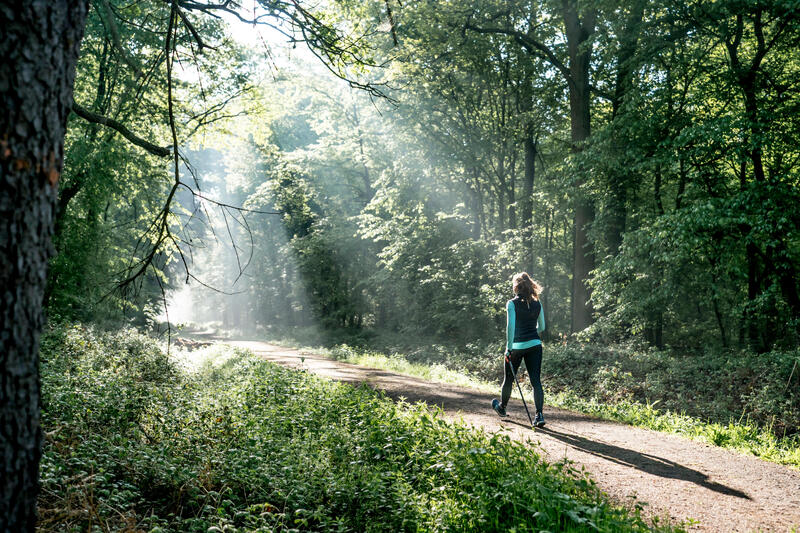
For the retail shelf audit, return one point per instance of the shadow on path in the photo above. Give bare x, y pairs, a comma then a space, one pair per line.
645, 462
650, 464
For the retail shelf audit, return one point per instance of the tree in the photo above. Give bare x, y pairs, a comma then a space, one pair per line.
579, 26
40, 50
774, 27
702, 137
115, 178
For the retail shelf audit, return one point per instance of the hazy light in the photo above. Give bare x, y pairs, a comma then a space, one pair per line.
179, 306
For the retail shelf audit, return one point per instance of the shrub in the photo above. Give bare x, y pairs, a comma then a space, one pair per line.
240, 444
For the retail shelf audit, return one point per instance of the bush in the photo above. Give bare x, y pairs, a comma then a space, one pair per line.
718, 386
243, 445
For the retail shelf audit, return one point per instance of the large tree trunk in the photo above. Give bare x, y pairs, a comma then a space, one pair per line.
578, 33
39, 51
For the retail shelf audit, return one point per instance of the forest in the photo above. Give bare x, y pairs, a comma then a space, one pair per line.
361, 180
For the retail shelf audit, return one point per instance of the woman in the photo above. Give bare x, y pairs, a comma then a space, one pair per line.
524, 322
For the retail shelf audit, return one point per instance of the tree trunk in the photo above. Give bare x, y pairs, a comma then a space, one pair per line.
531, 146
531, 149
583, 264
40, 50
718, 315
618, 182
578, 33
549, 229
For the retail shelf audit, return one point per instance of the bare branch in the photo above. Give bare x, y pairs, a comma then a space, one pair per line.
202, 119
166, 308
323, 40
159, 229
222, 204
188, 23
162, 219
207, 286
233, 242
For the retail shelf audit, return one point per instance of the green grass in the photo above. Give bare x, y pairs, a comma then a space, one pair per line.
740, 436
220, 440
743, 437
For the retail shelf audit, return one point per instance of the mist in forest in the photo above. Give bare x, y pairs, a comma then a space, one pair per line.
232, 247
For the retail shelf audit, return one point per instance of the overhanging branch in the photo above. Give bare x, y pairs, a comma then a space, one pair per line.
529, 43
160, 151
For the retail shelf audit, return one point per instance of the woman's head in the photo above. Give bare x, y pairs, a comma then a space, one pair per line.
525, 287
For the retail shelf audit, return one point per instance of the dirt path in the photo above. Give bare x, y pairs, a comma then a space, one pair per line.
686, 480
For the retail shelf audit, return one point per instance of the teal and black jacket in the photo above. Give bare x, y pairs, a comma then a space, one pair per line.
524, 322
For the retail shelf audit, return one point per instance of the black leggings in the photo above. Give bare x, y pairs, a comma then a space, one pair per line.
533, 362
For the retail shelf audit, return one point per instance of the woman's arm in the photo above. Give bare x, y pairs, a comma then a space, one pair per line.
511, 319
540, 324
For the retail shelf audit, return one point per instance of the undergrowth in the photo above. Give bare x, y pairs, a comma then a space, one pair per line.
223, 441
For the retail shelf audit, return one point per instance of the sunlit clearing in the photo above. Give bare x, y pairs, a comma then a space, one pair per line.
208, 357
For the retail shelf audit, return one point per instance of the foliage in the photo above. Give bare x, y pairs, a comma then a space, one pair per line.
718, 386
111, 191
396, 226
136, 441
411, 215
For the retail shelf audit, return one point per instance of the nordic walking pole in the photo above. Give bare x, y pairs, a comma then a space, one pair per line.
508, 361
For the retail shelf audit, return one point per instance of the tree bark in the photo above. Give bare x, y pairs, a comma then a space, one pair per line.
39, 53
